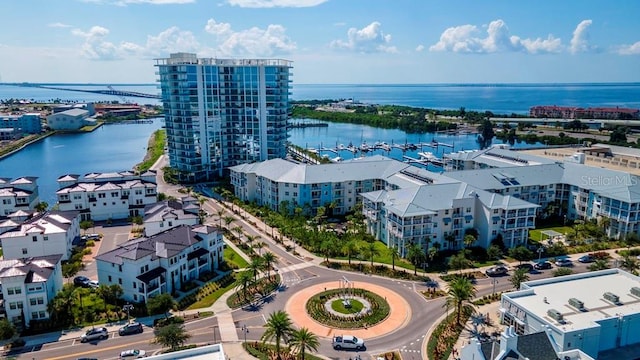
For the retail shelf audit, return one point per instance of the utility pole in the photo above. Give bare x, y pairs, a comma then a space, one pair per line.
127, 307
245, 330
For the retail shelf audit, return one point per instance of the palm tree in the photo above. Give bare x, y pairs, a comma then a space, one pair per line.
393, 251
469, 240
371, 251
238, 230
302, 340
228, 219
259, 245
415, 255
255, 267
350, 248
278, 328
269, 259
244, 281
630, 264
220, 212
599, 264
518, 277
460, 291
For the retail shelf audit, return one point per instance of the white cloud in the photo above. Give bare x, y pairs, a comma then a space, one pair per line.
58, 25
580, 39
467, 39
633, 49
275, 3
250, 42
95, 47
420, 48
169, 41
127, 2
368, 39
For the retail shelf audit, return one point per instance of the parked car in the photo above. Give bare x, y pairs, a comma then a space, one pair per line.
587, 258
526, 266
100, 333
497, 270
347, 342
564, 262
94, 284
132, 328
81, 281
133, 353
544, 265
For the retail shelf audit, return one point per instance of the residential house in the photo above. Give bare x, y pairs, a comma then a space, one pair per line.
18, 194
164, 215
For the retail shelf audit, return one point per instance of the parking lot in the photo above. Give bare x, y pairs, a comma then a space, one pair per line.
112, 236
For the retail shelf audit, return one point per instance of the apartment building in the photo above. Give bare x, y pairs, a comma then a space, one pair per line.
223, 112
42, 234
168, 214
28, 285
18, 194
28, 123
161, 263
493, 157
107, 196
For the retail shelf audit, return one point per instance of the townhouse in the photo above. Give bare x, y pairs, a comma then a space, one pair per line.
163, 262
107, 196
42, 234
18, 194
28, 285
168, 214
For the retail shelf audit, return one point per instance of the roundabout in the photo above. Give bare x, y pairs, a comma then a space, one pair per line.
397, 315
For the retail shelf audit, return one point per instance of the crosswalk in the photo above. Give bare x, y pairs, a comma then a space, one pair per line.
414, 346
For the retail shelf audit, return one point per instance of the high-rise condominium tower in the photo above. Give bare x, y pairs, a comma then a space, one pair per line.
223, 112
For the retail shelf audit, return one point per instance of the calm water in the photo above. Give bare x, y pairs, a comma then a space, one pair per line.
499, 98
109, 148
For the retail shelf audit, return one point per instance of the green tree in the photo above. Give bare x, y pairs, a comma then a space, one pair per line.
350, 248
109, 294
599, 264
245, 279
278, 328
42, 206
255, 267
631, 264
459, 261
268, 258
393, 252
70, 269
459, 295
228, 219
172, 335
469, 240
494, 252
518, 277
303, 340
371, 251
86, 225
160, 304
415, 256
7, 330
521, 253
60, 306
562, 271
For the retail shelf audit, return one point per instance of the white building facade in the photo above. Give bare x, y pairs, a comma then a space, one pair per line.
165, 215
28, 285
42, 234
18, 194
107, 196
163, 262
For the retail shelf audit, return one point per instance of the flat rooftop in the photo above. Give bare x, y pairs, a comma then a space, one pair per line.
588, 288
209, 352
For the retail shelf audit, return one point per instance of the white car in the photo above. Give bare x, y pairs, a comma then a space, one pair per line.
349, 342
93, 284
133, 353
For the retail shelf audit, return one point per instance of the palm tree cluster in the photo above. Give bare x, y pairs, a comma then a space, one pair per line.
248, 282
279, 328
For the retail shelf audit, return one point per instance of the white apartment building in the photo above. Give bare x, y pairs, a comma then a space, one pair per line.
168, 214
42, 234
28, 285
592, 312
107, 196
18, 194
163, 262
494, 157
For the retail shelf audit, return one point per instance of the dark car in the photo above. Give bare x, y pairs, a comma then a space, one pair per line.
564, 262
525, 266
81, 281
497, 270
543, 265
587, 258
132, 328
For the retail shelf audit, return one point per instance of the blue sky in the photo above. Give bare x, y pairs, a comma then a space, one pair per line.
330, 41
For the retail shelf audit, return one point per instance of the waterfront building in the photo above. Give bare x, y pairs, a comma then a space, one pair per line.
494, 157
223, 112
572, 112
28, 285
18, 194
42, 234
161, 263
72, 119
592, 312
168, 214
107, 196
28, 123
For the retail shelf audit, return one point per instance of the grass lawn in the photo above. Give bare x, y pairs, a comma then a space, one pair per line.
211, 298
537, 235
383, 256
232, 257
338, 306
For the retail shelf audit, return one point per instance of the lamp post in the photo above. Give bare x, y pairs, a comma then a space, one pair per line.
494, 281
245, 330
540, 251
127, 307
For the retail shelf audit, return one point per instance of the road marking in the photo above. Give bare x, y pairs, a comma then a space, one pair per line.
264, 318
97, 350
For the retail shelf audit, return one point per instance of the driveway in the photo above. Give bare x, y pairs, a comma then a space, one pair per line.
112, 236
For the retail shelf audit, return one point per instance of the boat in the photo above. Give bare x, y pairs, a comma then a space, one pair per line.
427, 155
364, 147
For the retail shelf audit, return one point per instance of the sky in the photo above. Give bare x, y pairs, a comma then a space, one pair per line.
329, 41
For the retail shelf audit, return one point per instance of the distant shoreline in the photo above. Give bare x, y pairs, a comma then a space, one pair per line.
498, 84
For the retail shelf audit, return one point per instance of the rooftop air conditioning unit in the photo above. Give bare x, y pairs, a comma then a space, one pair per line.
635, 291
612, 297
576, 303
555, 314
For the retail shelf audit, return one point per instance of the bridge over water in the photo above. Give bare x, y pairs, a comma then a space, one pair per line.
109, 91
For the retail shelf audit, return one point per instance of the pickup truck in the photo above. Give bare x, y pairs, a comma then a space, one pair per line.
347, 342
